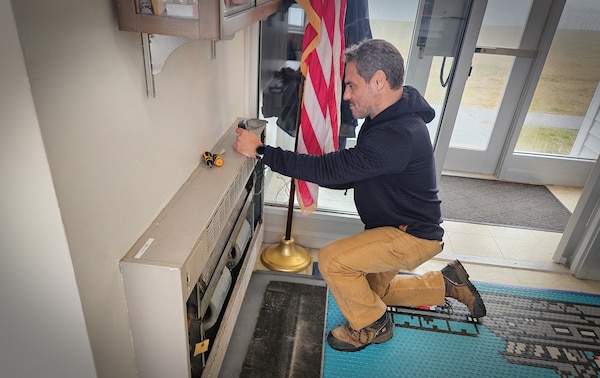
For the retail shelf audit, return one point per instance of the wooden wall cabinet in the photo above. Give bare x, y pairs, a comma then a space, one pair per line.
202, 19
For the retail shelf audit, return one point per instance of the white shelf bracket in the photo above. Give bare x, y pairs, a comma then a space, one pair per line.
157, 49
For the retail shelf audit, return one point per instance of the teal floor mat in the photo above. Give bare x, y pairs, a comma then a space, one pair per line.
527, 333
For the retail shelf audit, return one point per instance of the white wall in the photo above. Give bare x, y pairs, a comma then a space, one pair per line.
115, 155
42, 327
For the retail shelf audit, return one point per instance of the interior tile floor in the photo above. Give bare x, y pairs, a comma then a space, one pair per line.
504, 255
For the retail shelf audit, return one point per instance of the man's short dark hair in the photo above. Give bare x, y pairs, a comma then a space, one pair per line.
372, 55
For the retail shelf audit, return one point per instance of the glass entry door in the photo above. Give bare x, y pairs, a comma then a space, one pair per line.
506, 44
550, 48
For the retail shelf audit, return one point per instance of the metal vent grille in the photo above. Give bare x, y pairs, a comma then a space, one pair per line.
227, 206
221, 224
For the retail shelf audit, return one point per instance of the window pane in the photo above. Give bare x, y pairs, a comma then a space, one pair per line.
556, 122
502, 27
503, 23
481, 101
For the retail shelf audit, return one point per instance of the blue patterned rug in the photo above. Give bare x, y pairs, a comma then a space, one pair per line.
527, 333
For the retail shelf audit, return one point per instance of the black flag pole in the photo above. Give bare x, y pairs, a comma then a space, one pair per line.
287, 256
288, 228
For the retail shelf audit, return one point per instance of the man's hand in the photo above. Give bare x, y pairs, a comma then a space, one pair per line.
246, 143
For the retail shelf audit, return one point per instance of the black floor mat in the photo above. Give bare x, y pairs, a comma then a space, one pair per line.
288, 338
501, 203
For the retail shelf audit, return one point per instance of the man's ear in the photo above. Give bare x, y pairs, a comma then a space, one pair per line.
379, 79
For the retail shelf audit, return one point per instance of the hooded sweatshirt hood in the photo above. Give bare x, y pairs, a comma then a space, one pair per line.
411, 104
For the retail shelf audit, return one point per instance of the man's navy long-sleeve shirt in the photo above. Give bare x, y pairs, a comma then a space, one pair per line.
391, 168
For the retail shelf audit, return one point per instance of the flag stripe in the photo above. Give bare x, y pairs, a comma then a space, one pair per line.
322, 67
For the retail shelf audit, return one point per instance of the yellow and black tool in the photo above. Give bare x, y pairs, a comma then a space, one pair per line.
208, 158
217, 160
213, 159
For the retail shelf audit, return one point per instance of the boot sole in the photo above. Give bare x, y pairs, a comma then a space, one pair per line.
342, 348
382, 340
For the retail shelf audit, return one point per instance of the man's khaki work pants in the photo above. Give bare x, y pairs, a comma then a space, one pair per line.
362, 273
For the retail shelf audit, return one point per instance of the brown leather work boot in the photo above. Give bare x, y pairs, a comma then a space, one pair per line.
460, 288
346, 339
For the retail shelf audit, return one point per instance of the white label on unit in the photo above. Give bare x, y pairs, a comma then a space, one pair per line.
144, 248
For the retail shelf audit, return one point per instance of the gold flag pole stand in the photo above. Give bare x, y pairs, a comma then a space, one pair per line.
287, 256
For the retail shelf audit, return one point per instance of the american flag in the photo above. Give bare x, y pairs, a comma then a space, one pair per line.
323, 68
